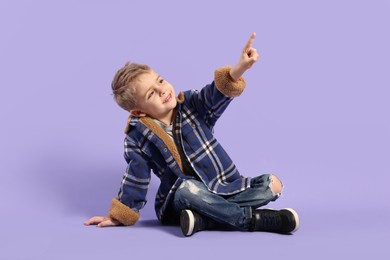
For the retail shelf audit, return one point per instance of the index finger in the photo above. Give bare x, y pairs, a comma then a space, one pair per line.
250, 41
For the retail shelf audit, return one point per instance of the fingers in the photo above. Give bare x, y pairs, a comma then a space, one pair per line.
248, 45
253, 54
107, 223
96, 220
101, 221
250, 57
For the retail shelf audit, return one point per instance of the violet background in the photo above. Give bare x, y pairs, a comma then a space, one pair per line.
315, 112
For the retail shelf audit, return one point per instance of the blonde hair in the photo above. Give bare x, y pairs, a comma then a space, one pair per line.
123, 87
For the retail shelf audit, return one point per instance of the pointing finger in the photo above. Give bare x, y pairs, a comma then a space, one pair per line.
250, 41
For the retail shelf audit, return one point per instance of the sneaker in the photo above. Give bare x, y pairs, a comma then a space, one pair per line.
283, 221
190, 222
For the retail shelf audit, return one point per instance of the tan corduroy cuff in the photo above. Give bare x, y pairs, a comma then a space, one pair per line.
226, 84
120, 212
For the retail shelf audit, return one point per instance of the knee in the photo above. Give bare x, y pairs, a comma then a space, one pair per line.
188, 187
276, 185
186, 194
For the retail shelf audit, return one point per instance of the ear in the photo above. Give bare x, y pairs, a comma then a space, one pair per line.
137, 113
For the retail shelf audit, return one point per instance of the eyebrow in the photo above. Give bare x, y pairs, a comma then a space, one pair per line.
146, 94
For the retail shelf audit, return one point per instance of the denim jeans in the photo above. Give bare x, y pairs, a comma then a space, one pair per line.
233, 211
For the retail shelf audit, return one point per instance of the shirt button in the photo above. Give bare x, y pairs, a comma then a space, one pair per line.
193, 125
165, 150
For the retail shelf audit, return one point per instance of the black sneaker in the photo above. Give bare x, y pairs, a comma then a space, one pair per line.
190, 222
283, 221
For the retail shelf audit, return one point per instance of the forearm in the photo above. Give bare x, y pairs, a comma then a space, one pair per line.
225, 83
134, 186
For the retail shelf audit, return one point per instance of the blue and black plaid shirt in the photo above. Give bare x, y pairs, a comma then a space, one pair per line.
146, 150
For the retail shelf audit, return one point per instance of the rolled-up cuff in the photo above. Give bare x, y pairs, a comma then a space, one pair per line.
120, 212
226, 84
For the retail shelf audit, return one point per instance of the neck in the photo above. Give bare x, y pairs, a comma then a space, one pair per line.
168, 118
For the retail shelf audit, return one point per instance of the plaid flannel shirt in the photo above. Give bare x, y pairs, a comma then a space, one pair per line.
148, 148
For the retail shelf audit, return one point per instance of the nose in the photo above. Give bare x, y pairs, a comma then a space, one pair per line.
162, 92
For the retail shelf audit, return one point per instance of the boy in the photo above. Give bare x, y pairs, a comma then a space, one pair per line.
200, 186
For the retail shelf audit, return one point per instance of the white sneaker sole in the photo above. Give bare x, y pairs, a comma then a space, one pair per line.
191, 222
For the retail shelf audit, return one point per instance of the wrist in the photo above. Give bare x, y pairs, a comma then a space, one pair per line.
226, 84
236, 72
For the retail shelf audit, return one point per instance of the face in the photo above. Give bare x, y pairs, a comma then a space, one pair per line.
155, 97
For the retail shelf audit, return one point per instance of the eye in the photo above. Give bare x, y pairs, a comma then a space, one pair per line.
150, 94
161, 81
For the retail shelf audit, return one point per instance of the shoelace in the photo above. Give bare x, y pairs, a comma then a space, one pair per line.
270, 220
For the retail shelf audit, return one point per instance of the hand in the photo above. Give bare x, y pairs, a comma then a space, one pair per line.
249, 54
101, 221
248, 57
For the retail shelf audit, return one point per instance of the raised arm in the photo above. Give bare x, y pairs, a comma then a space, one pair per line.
212, 100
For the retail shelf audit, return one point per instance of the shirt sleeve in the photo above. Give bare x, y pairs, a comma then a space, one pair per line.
134, 186
212, 100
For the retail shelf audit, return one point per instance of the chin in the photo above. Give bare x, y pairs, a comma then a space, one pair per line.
174, 103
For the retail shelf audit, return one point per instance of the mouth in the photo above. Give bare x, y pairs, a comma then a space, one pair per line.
168, 98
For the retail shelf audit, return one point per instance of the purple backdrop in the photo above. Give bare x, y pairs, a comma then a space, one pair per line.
315, 112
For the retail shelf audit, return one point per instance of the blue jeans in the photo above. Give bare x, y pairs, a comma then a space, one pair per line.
234, 211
